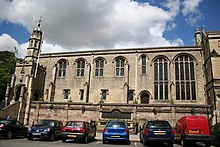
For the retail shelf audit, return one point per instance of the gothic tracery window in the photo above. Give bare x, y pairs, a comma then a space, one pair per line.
99, 67
120, 63
62, 68
143, 64
161, 79
80, 68
185, 78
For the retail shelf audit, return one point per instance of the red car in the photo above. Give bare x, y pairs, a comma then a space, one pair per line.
192, 129
79, 131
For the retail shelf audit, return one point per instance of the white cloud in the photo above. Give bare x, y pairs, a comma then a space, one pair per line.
100, 24
191, 12
7, 43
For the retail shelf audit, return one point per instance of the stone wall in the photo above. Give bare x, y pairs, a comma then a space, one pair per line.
10, 110
93, 112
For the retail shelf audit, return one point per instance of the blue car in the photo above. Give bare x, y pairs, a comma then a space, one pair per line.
116, 130
45, 129
157, 131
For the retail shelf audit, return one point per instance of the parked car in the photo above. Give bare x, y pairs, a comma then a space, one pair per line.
45, 129
12, 128
192, 129
116, 130
78, 130
215, 134
156, 131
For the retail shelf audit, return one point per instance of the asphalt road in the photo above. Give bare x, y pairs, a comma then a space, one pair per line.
23, 142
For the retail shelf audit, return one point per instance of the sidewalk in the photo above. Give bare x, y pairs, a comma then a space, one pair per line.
133, 138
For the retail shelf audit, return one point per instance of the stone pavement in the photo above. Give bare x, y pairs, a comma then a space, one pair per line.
133, 137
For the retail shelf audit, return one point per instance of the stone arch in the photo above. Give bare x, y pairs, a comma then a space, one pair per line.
17, 92
144, 97
185, 54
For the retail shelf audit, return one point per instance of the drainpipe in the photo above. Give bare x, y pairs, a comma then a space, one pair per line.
88, 84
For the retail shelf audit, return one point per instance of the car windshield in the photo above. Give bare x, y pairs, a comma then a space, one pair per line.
4, 121
46, 122
115, 124
75, 124
159, 125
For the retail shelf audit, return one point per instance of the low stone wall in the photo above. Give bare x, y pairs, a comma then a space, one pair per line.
10, 110
139, 113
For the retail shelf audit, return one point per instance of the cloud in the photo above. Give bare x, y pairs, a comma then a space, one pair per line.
191, 12
100, 24
7, 43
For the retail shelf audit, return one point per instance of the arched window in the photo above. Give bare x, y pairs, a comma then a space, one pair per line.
99, 67
80, 68
62, 68
143, 64
160, 79
185, 78
120, 63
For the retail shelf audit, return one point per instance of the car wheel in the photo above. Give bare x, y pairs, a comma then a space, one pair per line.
207, 144
144, 142
52, 137
93, 138
86, 139
141, 141
183, 142
128, 142
8, 135
170, 144
30, 138
63, 139
104, 141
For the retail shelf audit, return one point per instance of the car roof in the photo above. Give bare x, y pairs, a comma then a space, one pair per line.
116, 121
157, 121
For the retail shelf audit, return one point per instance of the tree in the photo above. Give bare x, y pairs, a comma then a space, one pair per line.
7, 68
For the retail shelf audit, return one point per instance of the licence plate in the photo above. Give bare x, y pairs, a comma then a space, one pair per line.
159, 133
193, 131
71, 136
115, 136
35, 133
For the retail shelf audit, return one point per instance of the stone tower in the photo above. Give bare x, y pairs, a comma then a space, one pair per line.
211, 54
35, 41
27, 82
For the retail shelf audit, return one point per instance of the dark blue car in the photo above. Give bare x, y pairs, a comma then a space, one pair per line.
45, 129
116, 130
157, 131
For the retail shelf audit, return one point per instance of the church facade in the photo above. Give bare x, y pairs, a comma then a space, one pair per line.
134, 84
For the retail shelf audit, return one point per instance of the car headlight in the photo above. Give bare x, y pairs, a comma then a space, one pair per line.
47, 130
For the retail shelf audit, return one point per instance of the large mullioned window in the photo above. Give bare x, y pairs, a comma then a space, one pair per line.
99, 67
62, 69
80, 68
120, 64
185, 78
161, 79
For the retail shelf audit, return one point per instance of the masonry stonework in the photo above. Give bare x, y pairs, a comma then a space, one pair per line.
134, 84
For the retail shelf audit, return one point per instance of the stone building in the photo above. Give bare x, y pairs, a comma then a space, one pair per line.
134, 84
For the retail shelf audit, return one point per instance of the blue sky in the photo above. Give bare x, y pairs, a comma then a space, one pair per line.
91, 25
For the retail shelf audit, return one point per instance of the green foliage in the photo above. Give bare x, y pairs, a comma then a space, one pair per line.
7, 68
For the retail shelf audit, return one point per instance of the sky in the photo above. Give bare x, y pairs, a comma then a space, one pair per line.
78, 25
